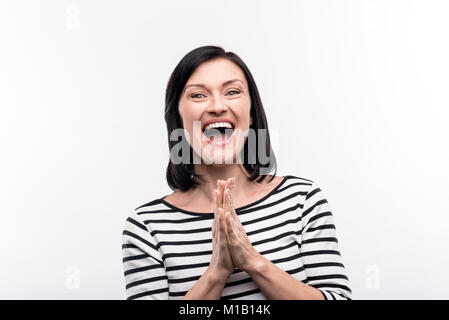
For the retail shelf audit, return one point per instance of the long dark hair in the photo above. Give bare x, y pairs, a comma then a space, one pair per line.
182, 176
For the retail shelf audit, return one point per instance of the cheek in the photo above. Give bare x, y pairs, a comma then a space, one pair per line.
242, 109
186, 114
189, 114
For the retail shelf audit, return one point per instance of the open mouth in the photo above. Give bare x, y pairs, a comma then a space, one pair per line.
219, 133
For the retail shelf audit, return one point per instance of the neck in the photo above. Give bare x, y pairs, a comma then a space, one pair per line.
211, 173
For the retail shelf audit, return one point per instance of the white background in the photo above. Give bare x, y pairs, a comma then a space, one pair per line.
356, 95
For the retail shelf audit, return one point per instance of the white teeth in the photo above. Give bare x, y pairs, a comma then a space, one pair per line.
218, 125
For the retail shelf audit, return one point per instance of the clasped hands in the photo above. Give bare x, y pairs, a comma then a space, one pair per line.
231, 247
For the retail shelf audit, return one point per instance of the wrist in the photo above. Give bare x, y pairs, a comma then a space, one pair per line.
217, 276
257, 265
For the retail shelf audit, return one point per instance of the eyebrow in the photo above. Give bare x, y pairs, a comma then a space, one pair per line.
202, 85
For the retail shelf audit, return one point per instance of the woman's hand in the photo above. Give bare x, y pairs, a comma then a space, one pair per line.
221, 261
243, 254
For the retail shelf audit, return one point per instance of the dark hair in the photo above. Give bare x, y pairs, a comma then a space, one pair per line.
182, 176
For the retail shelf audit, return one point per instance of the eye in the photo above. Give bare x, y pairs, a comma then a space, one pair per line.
195, 95
237, 92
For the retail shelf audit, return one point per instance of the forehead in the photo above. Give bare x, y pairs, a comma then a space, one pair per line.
215, 72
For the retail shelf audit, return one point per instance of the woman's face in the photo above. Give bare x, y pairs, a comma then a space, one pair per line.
217, 91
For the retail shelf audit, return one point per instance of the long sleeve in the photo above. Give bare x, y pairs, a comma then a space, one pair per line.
143, 267
319, 248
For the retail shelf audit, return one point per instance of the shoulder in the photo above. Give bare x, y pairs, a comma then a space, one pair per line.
306, 189
133, 224
137, 216
152, 204
137, 235
297, 184
312, 200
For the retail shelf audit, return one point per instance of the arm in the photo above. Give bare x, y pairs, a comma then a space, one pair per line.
320, 251
276, 284
271, 280
326, 278
143, 267
208, 287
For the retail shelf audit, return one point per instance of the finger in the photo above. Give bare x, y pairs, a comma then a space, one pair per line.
221, 225
230, 232
224, 228
222, 184
231, 183
216, 215
220, 194
213, 227
216, 201
225, 185
217, 225
219, 233
228, 203
225, 201
213, 230
231, 205
228, 229
228, 219
219, 199
233, 227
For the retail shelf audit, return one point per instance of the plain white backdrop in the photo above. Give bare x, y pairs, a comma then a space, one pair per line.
356, 98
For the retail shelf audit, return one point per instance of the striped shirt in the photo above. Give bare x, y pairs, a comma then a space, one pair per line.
166, 249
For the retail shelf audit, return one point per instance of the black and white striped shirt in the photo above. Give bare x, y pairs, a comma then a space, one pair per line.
166, 249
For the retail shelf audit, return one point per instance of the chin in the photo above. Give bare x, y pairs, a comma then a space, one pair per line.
218, 160
221, 155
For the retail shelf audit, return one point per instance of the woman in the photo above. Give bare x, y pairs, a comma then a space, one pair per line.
230, 229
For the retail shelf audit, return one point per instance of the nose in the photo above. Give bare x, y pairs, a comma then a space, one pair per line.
217, 106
